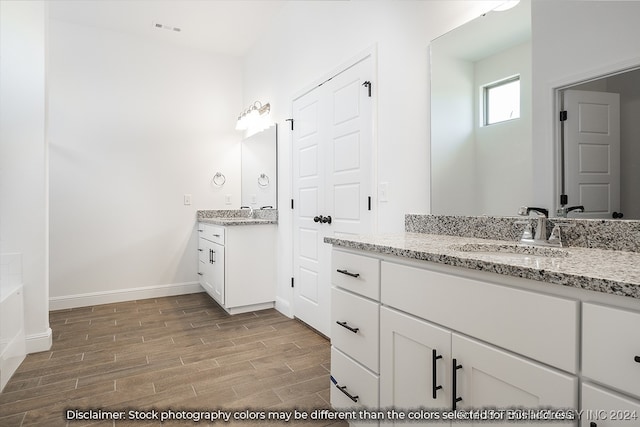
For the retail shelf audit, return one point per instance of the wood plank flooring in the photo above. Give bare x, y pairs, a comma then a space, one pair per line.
180, 353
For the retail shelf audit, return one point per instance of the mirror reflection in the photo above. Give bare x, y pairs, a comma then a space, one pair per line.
259, 169
481, 115
600, 159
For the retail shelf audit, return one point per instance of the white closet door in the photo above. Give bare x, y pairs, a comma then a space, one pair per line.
592, 146
332, 177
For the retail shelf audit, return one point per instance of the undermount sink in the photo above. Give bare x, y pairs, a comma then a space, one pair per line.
514, 250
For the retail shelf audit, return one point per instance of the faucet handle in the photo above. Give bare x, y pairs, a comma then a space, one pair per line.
527, 232
556, 237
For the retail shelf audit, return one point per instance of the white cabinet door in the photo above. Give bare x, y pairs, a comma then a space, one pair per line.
411, 352
604, 408
217, 273
490, 377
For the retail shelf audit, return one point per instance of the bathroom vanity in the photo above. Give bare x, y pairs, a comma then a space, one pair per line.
237, 262
426, 321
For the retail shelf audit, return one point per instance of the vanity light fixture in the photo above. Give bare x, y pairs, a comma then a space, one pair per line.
506, 5
254, 118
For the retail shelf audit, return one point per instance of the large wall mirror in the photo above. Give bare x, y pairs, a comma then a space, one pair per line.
481, 139
259, 169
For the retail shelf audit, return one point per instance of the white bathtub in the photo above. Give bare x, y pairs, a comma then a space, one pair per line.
12, 337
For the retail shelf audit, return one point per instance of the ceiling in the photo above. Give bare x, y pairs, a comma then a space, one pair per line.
228, 27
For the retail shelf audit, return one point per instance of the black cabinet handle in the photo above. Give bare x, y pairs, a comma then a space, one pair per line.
216, 235
317, 218
200, 274
435, 356
454, 387
213, 256
326, 219
349, 395
348, 273
200, 250
210, 256
200, 231
344, 325
637, 359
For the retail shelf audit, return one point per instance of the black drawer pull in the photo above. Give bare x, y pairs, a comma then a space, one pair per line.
435, 356
344, 325
349, 395
348, 273
200, 231
454, 385
200, 274
216, 235
200, 250
637, 359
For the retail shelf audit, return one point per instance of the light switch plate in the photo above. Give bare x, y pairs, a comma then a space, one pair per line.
187, 199
383, 192
227, 199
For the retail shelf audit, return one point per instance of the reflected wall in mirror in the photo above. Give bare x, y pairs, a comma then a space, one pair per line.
479, 168
599, 146
259, 169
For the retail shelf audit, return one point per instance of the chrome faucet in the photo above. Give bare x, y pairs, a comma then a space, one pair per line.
563, 211
250, 210
540, 238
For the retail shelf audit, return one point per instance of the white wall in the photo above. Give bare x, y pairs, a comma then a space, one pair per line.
135, 125
308, 40
573, 41
23, 158
504, 174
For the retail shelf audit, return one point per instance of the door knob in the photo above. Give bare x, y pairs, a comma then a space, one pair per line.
326, 219
317, 218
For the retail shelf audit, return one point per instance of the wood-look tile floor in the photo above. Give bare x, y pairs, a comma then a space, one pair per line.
180, 353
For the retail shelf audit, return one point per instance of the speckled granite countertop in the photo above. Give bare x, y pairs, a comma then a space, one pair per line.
238, 217
608, 271
237, 221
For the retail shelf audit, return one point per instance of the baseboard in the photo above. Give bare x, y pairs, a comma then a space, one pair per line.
107, 297
36, 343
284, 307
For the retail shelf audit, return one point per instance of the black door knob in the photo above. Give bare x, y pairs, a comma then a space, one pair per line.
317, 218
617, 215
326, 219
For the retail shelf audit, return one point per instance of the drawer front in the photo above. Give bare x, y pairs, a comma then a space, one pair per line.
361, 384
607, 409
611, 347
212, 232
355, 327
539, 326
356, 273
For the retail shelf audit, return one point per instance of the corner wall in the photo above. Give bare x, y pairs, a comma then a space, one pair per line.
23, 159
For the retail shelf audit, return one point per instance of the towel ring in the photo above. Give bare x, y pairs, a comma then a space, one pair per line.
218, 179
263, 180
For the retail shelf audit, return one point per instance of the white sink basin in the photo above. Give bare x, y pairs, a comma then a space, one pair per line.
512, 250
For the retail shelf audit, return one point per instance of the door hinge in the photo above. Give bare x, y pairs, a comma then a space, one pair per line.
563, 115
367, 84
292, 282
290, 120
291, 203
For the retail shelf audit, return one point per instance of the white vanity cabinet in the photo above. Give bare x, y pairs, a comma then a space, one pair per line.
355, 311
236, 265
428, 358
611, 358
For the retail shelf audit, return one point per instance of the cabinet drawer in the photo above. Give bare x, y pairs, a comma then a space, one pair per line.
539, 326
356, 380
357, 273
611, 347
607, 409
211, 232
362, 316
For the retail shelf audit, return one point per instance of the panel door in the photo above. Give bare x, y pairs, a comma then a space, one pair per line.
407, 362
490, 377
606, 408
217, 273
308, 176
332, 177
592, 152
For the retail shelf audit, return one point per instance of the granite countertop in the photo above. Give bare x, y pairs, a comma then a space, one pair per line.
237, 221
608, 271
